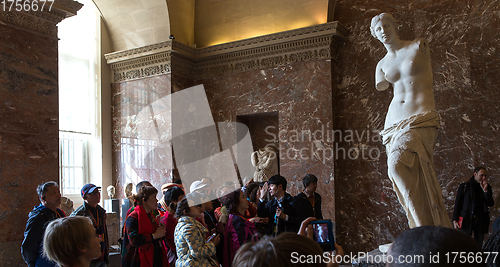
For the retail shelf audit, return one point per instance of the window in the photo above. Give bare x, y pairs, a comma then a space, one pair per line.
80, 148
73, 161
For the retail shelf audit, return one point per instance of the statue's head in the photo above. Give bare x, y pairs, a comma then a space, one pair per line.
378, 18
111, 191
128, 190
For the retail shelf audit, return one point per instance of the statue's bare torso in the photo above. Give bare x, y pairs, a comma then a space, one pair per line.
409, 70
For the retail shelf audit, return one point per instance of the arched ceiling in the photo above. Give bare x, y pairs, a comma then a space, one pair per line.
135, 23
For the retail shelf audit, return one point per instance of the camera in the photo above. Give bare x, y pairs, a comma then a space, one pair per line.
323, 234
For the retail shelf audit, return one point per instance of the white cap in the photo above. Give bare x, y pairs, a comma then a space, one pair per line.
197, 185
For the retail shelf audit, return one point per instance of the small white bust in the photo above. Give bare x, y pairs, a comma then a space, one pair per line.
66, 205
111, 191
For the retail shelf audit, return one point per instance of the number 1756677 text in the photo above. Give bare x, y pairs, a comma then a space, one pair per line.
26, 5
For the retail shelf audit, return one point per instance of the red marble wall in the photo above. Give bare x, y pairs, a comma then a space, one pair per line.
301, 94
28, 130
180, 82
142, 132
465, 59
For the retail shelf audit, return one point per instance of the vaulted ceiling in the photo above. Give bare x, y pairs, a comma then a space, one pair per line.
201, 23
135, 23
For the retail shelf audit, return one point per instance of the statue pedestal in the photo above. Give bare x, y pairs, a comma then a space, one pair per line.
384, 248
113, 226
112, 206
125, 206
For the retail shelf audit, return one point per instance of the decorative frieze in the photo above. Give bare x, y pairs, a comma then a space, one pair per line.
299, 45
146, 66
135, 53
33, 18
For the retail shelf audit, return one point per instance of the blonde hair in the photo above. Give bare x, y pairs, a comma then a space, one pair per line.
65, 238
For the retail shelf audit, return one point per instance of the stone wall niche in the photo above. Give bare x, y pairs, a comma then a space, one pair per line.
263, 128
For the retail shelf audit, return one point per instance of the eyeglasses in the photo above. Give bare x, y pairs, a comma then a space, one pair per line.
95, 192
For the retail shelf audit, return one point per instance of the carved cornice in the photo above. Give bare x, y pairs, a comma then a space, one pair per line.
333, 29
299, 45
138, 52
41, 21
68, 6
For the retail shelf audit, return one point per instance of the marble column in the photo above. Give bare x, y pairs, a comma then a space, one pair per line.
29, 127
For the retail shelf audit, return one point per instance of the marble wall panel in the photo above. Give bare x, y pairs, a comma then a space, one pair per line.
180, 82
26, 158
301, 94
28, 130
462, 37
28, 75
142, 132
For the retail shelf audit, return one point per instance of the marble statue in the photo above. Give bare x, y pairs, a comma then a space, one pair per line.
128, 191
265, 162
127, 202
411, 125
66, 205
111, 191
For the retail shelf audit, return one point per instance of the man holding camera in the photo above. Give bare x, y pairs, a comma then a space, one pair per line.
282, 211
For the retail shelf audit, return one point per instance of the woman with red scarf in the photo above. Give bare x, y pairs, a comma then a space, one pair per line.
142, 232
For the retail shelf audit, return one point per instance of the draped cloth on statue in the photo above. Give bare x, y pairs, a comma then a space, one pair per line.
266, 164
410, 159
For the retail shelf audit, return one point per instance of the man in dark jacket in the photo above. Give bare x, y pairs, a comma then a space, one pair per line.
471, 213
91, 209
39, 218
281, 209
309, 200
